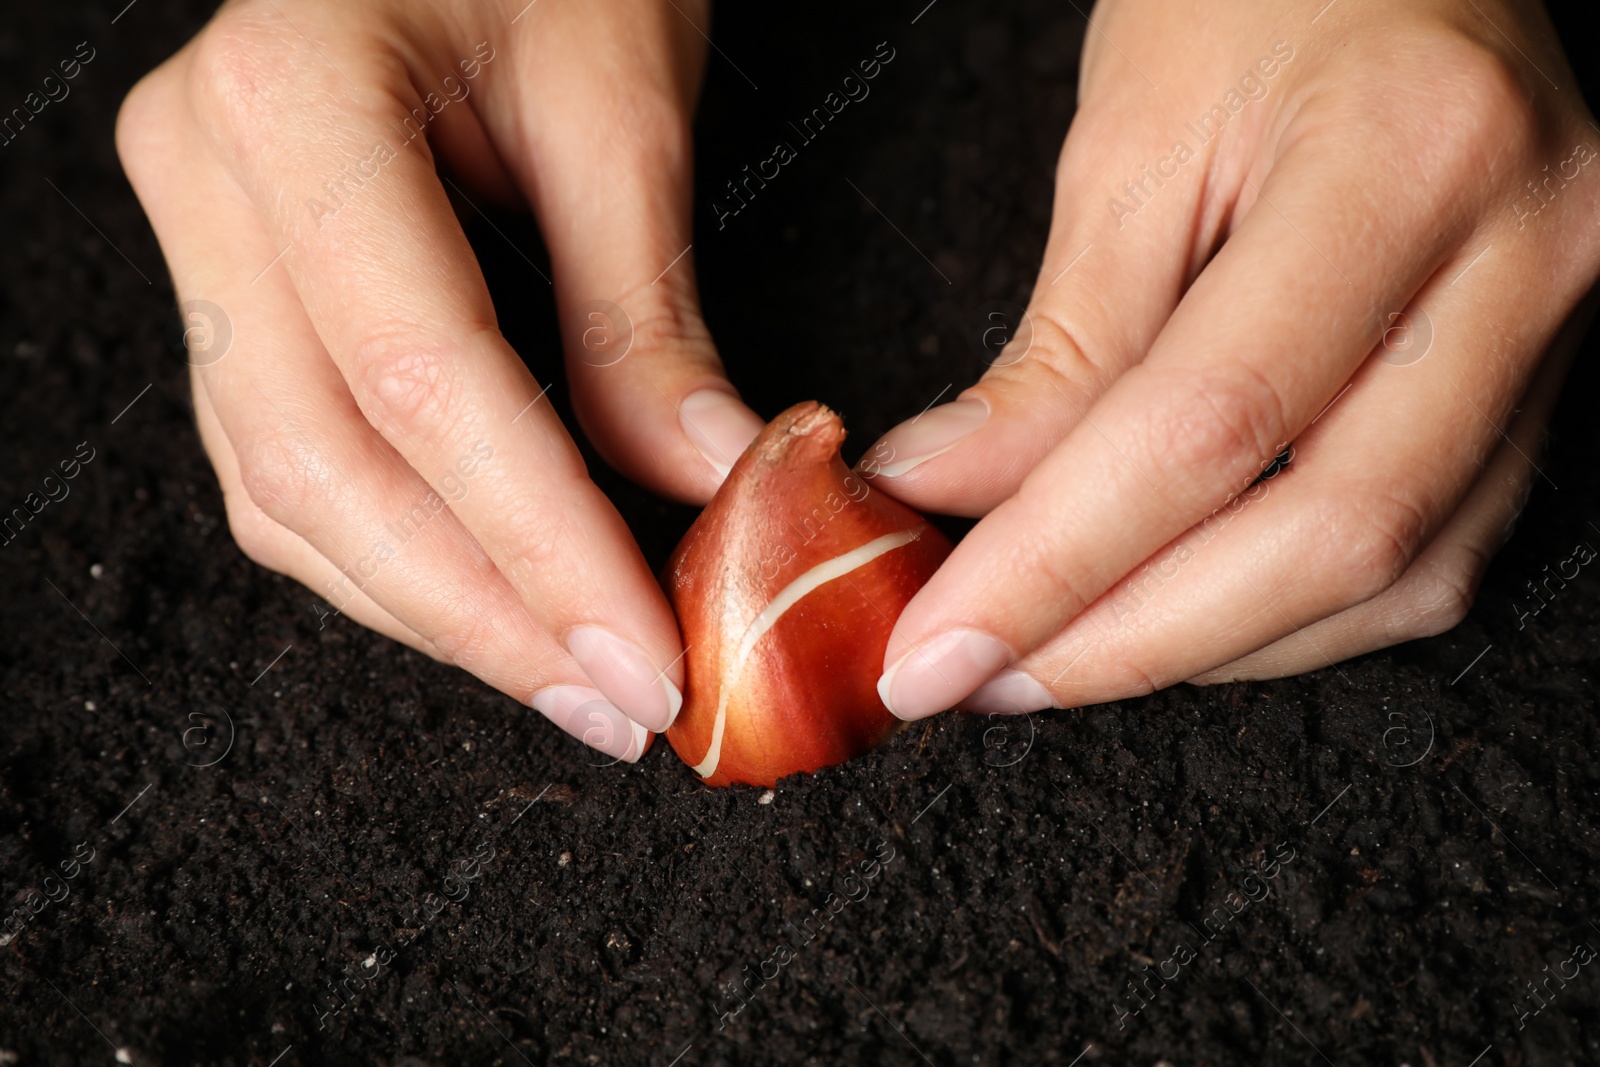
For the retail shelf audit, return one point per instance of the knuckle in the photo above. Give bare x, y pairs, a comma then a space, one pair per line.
1486, 94
545, 541
1214, 422
1479, 109
236, 74
405, 383
1469, 125
1442, 596
1112, 670
465, 640
285, 481
1130, 679
1050, 573
1057, 347
667, 324
1369, 539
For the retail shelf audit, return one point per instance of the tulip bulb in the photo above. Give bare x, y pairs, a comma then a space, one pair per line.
786, 588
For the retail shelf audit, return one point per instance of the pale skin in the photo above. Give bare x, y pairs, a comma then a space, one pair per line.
1372, 168
366, 365
1383, 167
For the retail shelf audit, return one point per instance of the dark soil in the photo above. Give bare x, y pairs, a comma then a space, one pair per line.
1422, 835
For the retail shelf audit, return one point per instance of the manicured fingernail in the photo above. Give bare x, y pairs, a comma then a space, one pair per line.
933, 433
591, 718
939, 672
719, 425
629, 678
1009, 692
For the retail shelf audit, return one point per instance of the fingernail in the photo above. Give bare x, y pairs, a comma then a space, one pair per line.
1010, 692
628, 678
591, 718
933, 433
939, 672
719, 425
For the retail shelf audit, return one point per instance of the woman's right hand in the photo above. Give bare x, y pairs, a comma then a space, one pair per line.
375, 436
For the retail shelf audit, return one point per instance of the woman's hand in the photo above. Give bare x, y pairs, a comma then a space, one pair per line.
1355, 227
375, 435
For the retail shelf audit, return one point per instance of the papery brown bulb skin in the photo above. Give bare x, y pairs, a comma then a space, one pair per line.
786, 588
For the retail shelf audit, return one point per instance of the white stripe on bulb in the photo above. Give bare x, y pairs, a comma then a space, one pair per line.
788, 597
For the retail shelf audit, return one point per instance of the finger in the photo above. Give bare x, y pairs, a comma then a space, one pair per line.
1434, 593
581, 711
314, 467
611, 183
395, 296
1073, 341
309, 465
278, 548
1114, 269
1238, 371
1382, 474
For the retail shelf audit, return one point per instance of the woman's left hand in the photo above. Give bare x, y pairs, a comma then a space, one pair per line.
1358, 232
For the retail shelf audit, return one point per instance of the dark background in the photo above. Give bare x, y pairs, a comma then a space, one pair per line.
1441, 820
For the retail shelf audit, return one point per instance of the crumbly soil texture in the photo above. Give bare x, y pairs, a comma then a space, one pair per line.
235, 832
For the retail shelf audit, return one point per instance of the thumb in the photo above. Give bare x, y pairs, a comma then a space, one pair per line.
1120, 252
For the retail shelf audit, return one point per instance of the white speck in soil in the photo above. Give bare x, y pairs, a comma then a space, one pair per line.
766, 798
96, 570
